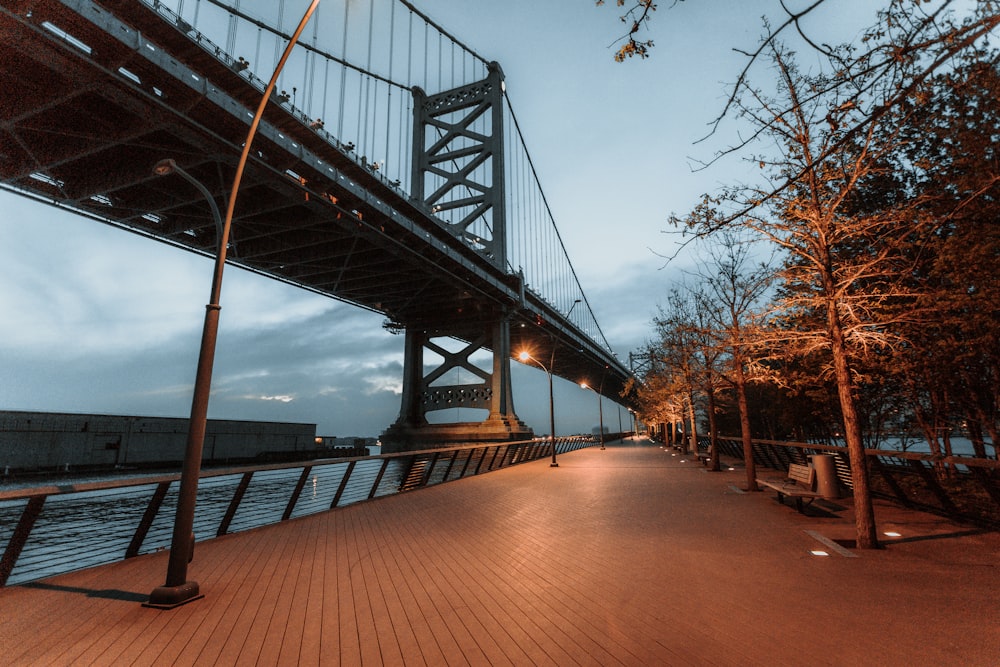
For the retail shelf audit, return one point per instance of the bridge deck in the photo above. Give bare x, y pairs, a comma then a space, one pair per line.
624, 556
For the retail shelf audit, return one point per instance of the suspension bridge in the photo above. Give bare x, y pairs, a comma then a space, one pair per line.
388, 172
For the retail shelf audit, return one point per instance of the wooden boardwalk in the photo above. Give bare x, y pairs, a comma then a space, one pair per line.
627, 556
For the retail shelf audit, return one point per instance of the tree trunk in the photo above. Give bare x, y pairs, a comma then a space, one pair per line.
693, 434
864, 511
713, 433
975, 429
741, 401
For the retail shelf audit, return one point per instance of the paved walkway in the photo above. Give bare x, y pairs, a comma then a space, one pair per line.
628, 556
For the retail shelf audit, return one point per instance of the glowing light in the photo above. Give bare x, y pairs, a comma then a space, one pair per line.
819, 553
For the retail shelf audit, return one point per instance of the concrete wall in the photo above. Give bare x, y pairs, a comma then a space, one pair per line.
53, 441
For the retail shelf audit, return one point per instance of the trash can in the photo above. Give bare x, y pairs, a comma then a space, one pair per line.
826, 475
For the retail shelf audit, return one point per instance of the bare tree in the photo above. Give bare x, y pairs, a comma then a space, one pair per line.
680, 366
734, 286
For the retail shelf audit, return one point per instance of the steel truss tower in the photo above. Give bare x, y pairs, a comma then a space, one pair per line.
458, 173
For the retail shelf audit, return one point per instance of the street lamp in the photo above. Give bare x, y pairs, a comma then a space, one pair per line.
178, 590
570, 311
167, 167
525, 356
600, 409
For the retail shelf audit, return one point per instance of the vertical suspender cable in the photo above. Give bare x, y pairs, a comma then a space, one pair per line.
343, 76
307, 91
311, 66
256, 53
404, 173
277, 42
546, 250
409, 53
326, 86
231, 31
551, 256
368, 82
388, 101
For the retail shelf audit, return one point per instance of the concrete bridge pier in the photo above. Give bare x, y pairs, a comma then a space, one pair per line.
421, 395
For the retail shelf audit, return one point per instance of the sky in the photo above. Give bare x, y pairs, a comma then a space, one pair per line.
94, 319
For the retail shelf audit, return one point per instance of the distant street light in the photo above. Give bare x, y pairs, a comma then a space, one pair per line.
178, 590
568, 312
525, 356
600, 409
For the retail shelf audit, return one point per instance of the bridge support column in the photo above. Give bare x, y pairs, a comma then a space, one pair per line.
494, 392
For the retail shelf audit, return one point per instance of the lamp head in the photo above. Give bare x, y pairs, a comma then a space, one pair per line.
164, 167
524, 356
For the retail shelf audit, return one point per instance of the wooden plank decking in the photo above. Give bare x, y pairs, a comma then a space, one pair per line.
628, 556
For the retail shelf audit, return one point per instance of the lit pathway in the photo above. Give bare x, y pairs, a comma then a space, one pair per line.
625, 556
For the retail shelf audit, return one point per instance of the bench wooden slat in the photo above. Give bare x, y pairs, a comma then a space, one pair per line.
798, 484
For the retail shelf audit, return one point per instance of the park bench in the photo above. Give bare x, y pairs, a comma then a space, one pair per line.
799, 484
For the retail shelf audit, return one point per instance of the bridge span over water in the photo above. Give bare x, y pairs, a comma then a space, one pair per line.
400, 185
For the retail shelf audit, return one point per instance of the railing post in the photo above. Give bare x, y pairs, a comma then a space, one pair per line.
891, 481
928, 476
296, 493
479, 464
451, 462
152, 508
378, 478
20, 536
430, 469
234, 503
493, 460
343, 484
468, 459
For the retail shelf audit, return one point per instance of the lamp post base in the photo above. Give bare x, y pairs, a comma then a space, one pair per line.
168, 597
553, 465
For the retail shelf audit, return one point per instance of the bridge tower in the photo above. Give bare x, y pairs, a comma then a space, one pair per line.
458, 173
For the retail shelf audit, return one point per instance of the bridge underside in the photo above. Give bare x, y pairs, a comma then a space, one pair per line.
89, 137
87, 107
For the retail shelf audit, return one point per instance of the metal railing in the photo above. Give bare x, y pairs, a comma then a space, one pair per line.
50, 530
963, 488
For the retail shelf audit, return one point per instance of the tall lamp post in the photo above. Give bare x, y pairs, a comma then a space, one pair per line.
178, 590
525, 356
600, 409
